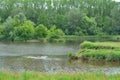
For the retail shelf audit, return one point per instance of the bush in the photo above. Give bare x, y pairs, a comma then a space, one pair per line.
55, 33
41, 31
70, 54
25, 31
17, 38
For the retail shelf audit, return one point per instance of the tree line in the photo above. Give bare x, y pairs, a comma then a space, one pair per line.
28, 19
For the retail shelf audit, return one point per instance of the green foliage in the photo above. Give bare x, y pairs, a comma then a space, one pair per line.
1, 32
92, 45
25, 31
1, 29
70, 54
55, 33
21, 17
8, 26
100, 51
72, 17
80, 24
88, 45
41, 31
116, 18
100, 55
58, 76
90, 25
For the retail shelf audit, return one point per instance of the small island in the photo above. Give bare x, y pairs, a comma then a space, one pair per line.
99, 51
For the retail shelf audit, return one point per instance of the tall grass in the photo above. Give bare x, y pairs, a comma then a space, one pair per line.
100, 51
100, 55
99, 45
58, 76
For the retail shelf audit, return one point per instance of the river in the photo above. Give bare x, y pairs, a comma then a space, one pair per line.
48, 57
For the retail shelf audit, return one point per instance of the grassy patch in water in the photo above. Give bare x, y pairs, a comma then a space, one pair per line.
99, 45
100, 55
58, 76
100, 51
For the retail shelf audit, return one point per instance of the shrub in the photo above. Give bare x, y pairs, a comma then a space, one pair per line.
25, 31
41, 31
70, 54
55, 33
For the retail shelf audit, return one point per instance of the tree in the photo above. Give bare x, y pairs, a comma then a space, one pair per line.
21, 17
41, 31
43, 18
55, 33
90, 25
68, 15
116, 19
25, 31
61, 21
80, 24
74, 19
8, 27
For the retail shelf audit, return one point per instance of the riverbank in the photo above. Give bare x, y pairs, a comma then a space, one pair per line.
57, 76
99, 51
41, 40
72, 38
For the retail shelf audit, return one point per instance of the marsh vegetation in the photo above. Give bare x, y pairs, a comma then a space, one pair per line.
100, 51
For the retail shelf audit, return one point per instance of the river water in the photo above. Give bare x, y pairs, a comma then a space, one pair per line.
48, 57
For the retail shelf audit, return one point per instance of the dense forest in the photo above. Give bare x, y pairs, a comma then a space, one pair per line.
34, 19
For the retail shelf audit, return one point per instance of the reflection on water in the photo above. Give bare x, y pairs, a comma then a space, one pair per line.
51, 58
18, 49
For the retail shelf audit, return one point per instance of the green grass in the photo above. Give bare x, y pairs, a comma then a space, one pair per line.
58, 76
100, 45
100, 51
100, 55
111, 44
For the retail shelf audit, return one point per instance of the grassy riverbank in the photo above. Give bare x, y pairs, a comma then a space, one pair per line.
58, 76
100, 51
92, 38
72, 38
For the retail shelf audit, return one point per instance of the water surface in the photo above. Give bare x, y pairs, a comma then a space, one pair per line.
48, 57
